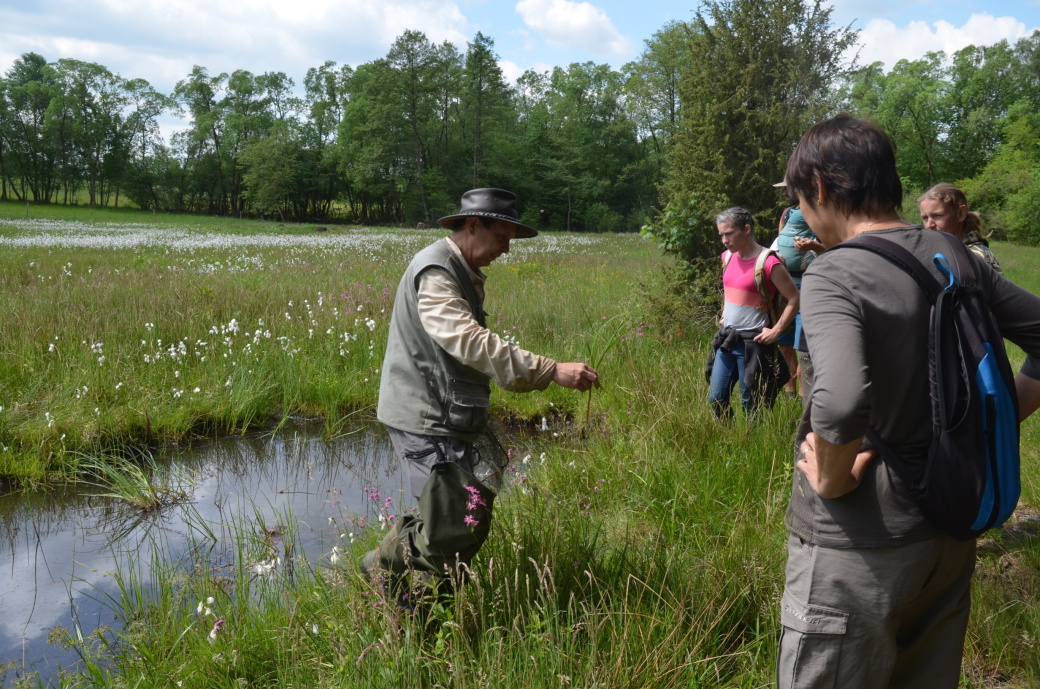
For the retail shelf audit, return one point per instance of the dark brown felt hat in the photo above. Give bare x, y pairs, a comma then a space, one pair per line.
497, 204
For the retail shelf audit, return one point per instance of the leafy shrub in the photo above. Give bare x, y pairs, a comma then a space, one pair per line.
683, 299
686, 232
1021, 213
600, 218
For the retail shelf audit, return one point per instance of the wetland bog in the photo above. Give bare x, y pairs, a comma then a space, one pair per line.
639, 542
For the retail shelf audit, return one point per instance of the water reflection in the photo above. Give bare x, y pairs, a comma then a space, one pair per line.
63, 546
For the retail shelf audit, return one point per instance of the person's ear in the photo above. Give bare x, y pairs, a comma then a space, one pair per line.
962, 212
821, 192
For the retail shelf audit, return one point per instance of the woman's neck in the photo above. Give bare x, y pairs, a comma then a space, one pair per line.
862, 224
750, 250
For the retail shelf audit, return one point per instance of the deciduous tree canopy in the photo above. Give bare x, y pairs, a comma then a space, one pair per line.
705, 118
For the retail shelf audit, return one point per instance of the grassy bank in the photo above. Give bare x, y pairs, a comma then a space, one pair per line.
640, 545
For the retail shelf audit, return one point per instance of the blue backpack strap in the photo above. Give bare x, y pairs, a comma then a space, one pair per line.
963, 272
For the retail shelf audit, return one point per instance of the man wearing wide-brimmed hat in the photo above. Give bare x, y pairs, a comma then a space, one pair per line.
434, 392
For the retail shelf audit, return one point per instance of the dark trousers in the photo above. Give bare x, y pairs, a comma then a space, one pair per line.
454, 515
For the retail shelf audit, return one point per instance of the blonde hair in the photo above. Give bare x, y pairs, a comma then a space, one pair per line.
952, 197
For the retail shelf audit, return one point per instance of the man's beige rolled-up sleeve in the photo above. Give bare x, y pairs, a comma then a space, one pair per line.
445, 315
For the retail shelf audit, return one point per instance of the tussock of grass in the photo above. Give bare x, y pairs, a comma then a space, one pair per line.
143, 484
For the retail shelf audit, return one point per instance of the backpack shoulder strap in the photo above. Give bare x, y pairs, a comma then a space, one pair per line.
760, 272
962, 267
899, 256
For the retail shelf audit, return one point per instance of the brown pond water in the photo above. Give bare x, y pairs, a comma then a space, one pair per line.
59, 550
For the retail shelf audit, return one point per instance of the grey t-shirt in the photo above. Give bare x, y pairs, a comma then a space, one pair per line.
866, 322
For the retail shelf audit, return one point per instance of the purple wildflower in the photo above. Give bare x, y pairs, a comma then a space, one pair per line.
475, 500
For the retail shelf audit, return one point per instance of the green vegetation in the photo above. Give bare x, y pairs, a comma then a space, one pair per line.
146, 485
137, 334
393, 141
968, 118
639, 546
765, 73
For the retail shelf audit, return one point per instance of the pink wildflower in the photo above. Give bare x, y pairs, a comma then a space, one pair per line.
468, 520
217, 626
475, 500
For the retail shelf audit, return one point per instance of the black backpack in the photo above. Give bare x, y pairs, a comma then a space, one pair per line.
969, 482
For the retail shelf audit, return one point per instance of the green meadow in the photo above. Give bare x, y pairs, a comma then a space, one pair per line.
640, 543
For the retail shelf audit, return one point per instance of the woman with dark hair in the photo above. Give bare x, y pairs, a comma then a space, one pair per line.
944, 208
875, 595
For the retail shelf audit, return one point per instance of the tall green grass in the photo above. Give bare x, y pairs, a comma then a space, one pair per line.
639, 545
141, 344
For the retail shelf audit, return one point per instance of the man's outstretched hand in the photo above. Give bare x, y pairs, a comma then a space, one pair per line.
579, 377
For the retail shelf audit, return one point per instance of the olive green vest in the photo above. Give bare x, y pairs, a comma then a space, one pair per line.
423, 389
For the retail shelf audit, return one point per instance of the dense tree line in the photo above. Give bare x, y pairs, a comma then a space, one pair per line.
705, 118
396, 140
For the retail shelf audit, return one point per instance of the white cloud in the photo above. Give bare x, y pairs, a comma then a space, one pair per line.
883, 41
512, 71
564, 23
160, 40
251, 22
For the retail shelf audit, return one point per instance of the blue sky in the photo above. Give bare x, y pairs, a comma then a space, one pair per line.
160, 40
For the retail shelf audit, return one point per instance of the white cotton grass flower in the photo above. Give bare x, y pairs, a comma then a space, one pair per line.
266, 567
